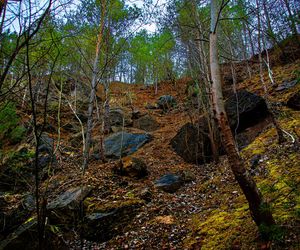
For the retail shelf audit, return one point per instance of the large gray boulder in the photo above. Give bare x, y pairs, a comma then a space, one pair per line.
244, 110
192, 143
122, 144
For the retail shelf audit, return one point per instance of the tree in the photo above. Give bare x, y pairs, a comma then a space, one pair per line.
258, 207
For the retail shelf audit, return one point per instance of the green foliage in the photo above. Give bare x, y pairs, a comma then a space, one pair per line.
9, 127
151, 56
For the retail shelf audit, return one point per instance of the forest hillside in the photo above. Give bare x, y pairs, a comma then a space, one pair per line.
113, 136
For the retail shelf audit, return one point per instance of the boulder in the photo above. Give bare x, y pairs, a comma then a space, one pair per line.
108, 220
147, 123
117, 117
166, 102
245, 109
192, 143
123, 144
169, 183
65, 208
294, 101
132, 167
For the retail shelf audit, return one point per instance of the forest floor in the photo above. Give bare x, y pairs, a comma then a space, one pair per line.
210, 212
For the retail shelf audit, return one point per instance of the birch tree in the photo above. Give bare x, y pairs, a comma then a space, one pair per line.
94, 84
258, 207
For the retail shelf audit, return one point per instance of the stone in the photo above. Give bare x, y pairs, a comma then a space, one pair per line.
245, 109
187, 176
123, 144
147, 123
132, 167
64, 209
254, 161
192, 143
119, 118
46, 144
169, 183
116, 129
166, 102
136, 114
151, 106
146, 194
110, 219
294, 101
287, 85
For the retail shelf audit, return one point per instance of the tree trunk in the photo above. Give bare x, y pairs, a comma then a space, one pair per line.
246, 182
94, 84
279, 131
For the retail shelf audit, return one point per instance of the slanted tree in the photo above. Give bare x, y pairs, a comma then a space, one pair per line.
258, 207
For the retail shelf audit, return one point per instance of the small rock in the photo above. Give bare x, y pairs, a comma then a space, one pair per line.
132, 167
136, 114
118, 117
255, 160
147, 123
46, 144
286, 85
169, 183
187, 176
166, 102
150, 106
146, 195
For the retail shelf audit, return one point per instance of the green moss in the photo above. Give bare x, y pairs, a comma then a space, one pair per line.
222, 228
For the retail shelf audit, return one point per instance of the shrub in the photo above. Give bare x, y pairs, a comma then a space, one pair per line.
9, 127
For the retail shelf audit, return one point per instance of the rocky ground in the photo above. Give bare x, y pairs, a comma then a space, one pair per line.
154, 199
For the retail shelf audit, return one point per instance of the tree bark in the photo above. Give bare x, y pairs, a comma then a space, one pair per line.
94, 84
246, 182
